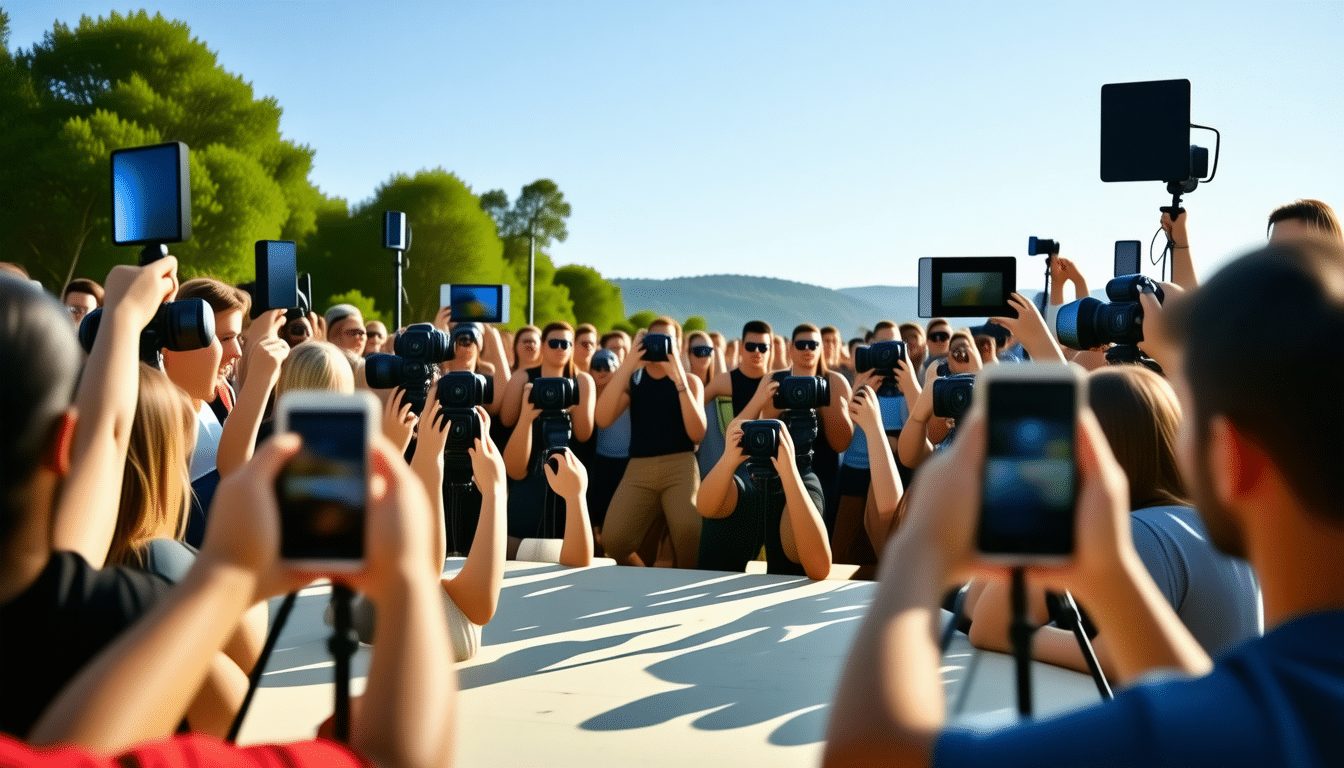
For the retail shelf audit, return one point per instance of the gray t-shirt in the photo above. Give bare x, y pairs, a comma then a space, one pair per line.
1216, 596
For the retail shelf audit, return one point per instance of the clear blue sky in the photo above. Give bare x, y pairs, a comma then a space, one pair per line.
832, 143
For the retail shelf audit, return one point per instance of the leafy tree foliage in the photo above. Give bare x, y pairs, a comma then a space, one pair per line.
694, 323
595, 300
366, 307
124, 81
643, 318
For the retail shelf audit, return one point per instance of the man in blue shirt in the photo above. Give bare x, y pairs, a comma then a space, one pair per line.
1263, 456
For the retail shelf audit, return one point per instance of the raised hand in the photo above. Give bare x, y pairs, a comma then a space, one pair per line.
398, 421
1030, 329
570, 480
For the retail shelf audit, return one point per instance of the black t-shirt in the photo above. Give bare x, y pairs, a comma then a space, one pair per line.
744, 388
656, 425
48, 633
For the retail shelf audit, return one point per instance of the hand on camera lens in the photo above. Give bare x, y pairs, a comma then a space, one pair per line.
432, 431
571, 479
530, 411
865, 410
733, 450
398, 421
784, 457
243, 528
487, 465
137, 292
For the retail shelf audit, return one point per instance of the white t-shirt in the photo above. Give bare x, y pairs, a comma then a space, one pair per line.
208, 430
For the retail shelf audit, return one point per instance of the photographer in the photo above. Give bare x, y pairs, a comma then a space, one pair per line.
469, 340
924, 432
939, 336
526, 450
916, 348
612, 449
81, 296
763, 505
1266, 486
743, 383
136, 691
667, 419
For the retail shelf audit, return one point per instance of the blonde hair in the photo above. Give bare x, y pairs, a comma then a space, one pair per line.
156, 484
316, 365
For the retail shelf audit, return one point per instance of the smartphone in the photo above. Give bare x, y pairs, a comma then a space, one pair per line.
323, 491
1030, 483
1127, 254
476, 303
277, 276
151, 195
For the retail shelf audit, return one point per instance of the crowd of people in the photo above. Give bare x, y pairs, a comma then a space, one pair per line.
139, 508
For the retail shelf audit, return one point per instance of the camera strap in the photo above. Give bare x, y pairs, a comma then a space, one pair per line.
259, 669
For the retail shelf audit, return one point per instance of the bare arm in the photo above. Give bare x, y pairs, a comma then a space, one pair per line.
1182, 265
802, 533
475, 589
720, 385
512, 402
570, 482
615, 398
239, 436
427, 464
839, 429
717, 497
583, 413
86, 513
886, 481
518, 451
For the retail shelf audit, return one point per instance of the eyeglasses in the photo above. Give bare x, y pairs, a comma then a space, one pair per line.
559, 343
938, 337
702, 351
77, 312
355, 333
806, 345
465, 341
756, 346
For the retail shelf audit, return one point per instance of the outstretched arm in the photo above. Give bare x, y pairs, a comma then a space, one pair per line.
239, 435
802, 533
475, 589
570, 482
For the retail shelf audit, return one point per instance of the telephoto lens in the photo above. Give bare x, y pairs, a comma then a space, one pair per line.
554, 393
657, 347
880, 357
952, 395
802, 392
760, 438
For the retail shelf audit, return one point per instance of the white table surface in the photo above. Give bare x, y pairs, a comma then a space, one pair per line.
645, 666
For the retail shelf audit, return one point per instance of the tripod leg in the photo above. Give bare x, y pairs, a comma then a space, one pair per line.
1020, 632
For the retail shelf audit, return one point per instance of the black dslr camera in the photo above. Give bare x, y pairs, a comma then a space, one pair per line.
881, 358
952, 395
419, 349
760, 443
1088, 323
553, 395
802, 392
657, 347
178, 326
458, 393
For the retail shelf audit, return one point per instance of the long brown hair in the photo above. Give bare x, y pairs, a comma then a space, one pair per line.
518, 337
1140, 414
561, 325
821, 355
156, 484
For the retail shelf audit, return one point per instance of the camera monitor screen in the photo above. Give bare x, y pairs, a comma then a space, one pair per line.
976, 286
151, 195
277, 276
1145, 131
476, 303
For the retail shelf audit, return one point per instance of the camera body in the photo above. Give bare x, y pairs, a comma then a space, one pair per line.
760, 439
464, 389
177, 326
458, 393
1039, 246
952, 395
657, 347
879, 357
803, 392
553, 394
419, 349
1089, 323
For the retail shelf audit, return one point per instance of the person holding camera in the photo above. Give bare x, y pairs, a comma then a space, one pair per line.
667, 419
563, 418
925, 432
612, 449
1266, 486
129, 700
757, 491
936, 340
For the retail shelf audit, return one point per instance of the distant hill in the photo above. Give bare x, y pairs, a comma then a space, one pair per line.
728, 301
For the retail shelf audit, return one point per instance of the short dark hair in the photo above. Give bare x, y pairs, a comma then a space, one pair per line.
757, 326
609, 335
1313, 212
1289, 297
36, 330
84, 285
221, 297
825, 329
883, 325
583, 328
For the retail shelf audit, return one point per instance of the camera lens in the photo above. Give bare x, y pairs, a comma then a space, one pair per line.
459, 391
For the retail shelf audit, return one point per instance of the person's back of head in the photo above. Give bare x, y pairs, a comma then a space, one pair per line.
316, 365
1139, 413
1289, 297
1303, 217
155, 487
37, 390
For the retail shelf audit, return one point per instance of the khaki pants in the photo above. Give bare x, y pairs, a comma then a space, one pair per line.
658, 485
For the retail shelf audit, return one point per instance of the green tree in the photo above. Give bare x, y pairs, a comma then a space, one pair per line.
694, 323
453, 241
534, 221
124, 81
595, 300
365, 304
553, 300
643, 318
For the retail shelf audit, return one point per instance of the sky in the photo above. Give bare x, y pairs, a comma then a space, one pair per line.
830, 143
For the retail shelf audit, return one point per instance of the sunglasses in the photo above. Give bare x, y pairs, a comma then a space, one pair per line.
465, 341
938, 337
756, 346
702, 351
559, 343
805, 345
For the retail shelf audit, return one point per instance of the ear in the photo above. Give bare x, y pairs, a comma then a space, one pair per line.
1237, 465
60, 447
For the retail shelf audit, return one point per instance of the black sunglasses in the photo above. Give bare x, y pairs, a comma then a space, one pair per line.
756, 346
938, 337
702, 351
806, 345
559, 343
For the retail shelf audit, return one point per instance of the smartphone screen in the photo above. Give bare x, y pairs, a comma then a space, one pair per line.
147, 195
1127, 257
476, 303
322, 491
1030, 480
277, 276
